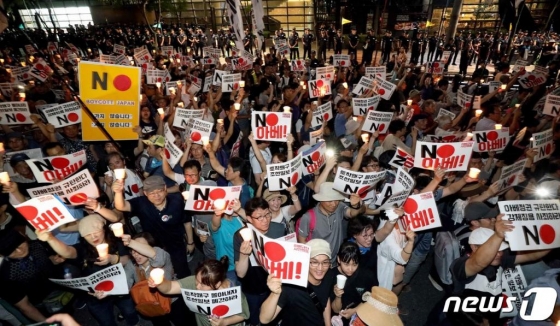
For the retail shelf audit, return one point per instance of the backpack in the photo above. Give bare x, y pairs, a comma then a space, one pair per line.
447, 249
149, 302
312, 221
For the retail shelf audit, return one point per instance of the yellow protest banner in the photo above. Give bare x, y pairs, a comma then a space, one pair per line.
112, 93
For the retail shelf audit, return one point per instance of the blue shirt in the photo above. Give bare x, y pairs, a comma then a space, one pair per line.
223, 239
340, 125
246, 192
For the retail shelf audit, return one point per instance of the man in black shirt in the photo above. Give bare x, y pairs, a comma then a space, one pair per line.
307, 41
415, 49
338, 41
386, 47
353, 41
369, 47
432, 43
293, 42
458, 45
322, 46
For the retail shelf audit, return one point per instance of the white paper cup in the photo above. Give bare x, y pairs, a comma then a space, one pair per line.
478, 113
345, 84
287, 109
340, 281
468, 137
160, 111
205, 140
158, 84
220, 121
219, 204
473, 173
120, 174
102, 250
185, 195
330, 153
409, 102
117, 229
241, 83
365, 137
498, 126
4, 178
246, 234
157, 275
237, 106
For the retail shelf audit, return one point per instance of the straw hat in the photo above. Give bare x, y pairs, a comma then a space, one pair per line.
379, 308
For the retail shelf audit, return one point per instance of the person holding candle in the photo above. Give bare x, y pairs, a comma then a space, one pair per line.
95, 232
491, 115
153, 167
132, 182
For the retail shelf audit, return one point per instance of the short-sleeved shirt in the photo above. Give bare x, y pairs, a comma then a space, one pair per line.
82, 249
167, 225
223, 238
361, 281
255, 166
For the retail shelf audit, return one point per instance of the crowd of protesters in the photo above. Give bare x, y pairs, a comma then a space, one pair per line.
347, 235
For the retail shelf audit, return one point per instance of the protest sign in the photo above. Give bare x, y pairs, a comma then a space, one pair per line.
218, 77
283, 49
392, 194
41, 70
341, 60
448, 156
212, 52
314, 158
45, 212
182, 117
15, 113
543, 143
219, 303
196, 84
31, 153
445, 137
112, 94
465, 100
172, 85
519, 64
319, 88
21, 74
64, 114
143, 58
493, 85
372, 72
173, 153
289, 261
490, 140
282, 176
111, 280
105, 58
384, 88
236, 146
56, 168
445, 57
271, 126
201, 227
197, 129
72, 191
167, 50
510, 175
531, 79
201, 198
377, 121
322, 114
154, 76
445, 113
361, 106
315, 136
207, 84
552, 105
325, 73
365, 84
230, 82
536, 223
435, 68
421, 213
514, 284
297, 65
352, 182
209, 61
402, 159
120, 49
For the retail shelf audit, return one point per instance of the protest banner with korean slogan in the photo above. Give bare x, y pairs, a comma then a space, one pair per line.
514, 285
402, 159
314, 158
282, 176
45, 213
209, 61
112, 94
421, 213
230, 82
207, 84
465, 100
219, 303
372, 72
171, 86
31, 153
490, 140
552, 105
41, 70
21, 74
197, 129
445, 113
111, 280
536, 223
365, 84
56, 168
325, 73
322, 114
72, 191
120, 49
377, 121
384, 88
217, 77
182, 117
392, 194
315, 136
286, 260
319, 88
212, 52
445, 57
448, 156
271, 126
297, 65
341, 60
15, 113
543, 143
435, 68
143, 58
196, 84
493, 85
445, 137
532, 79
173, 153
352, 182
64, 114
510, 175
519, 64
202, 198
361, 106
283, 49
105, 58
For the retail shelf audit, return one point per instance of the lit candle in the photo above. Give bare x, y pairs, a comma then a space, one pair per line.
120, 174
365, 137
2, 61
205, 140
345, 84
330, 153
304, 87
156, 274
1, 147
102, 250
89, 50
131, 62
195, 99
172, 90
468, 137
246, 234
219, 204
355, 118
4, 178
117, 229
409, 102
237, 106
302, 83
473, 173
315, 103
478, 113
161, 111
179, 83
22, 95
185, 195
517, 105
158, 84
503, 87
287, 109
181, 105
241, 83
498, 126
220, 121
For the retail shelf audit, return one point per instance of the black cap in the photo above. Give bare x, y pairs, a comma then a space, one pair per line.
20, 157
10, 239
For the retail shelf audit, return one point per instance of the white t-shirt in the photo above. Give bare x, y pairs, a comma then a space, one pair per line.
255, 166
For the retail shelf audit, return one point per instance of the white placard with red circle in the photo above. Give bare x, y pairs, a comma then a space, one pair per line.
322, 114
172, 153
402, 159
287, 260
365, 84
372, 72
297, 65
230, 82
531, 79
73, 191
510, 175
41, 70
120, 49
64, 114
209, 51
197, 128
341, 60
448, 156
315, 136
536, 223
421, 213
384, 88
325, 73
142, 57
219, 303
445, 136
361, 106
154, 76
314, 158
271, 126
21, 74
201, 198
15, 113
352, 182
107, 58
111, 280
168, 50
45, 213
209, 61
435, 68
196, 84
552, 105
122, 60
182, 117
490, 140
319, 88
543, 143
397, 192
282, 176
56, 168
377, 121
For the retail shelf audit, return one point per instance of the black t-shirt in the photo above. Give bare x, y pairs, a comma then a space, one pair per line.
361, 281
297, 306
88, 260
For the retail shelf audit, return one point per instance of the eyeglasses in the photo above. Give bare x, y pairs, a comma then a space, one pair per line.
191, 175
325, 264
368, 235
155, 193
262, 217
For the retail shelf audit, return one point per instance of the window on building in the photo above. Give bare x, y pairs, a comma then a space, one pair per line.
63, 17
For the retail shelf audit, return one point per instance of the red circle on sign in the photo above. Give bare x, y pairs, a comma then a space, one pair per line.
241, 60
295, 178
167, 154
29, 212
105, 286
547, 233
79, 198
436, 64
25, 76
73, 117
329, 76
548, 149
381, 91
135, 188
298, 62
274, 251
319, 83
217, 193
410, 206
39, 66
194, 80
159, 79
235, 86
146, 57
60, 162
220, 310
145, 65
326, 116
382, 127
342, 63
20, 117
196, 136
445, 151
492, 135
531, 77
468, 105
122, 83
370, 108
209, 61
271, 120
315, 156
511, 179
363, 191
